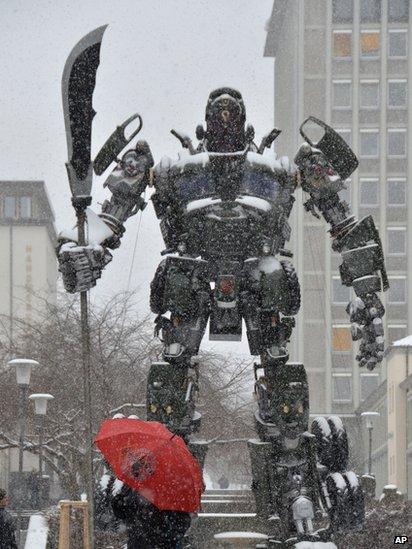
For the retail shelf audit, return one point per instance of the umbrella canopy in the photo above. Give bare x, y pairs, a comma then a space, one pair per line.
146, 456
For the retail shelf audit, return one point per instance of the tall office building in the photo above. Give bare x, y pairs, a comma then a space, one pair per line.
28, 271
349, 63
27, 260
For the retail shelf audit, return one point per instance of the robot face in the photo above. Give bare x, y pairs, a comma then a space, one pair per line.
225, 120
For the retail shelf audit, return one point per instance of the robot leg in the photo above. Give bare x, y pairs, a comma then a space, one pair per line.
284, 477
179, 286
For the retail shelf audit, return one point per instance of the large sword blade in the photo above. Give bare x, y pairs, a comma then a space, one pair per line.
78, 82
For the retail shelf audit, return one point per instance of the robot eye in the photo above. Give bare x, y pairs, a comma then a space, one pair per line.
300, 408
168, 410
285, 408
153, 408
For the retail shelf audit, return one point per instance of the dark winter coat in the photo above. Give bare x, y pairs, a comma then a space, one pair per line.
7, 530
147, 526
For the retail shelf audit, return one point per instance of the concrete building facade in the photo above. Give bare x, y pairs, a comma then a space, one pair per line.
28, 266
349, 63
28, 272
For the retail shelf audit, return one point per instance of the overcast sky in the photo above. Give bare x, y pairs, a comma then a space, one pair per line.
160, 58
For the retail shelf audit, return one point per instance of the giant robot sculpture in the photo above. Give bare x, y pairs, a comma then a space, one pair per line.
223, 209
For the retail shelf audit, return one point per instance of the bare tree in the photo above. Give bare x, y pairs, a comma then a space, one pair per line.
123, 347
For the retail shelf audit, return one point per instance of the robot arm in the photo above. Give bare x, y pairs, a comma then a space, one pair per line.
363, 266
82, 266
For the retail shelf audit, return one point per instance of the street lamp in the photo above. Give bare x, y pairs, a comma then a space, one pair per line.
23, 368
370, 417
40, 407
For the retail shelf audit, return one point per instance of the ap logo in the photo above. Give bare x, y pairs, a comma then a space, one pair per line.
401, 540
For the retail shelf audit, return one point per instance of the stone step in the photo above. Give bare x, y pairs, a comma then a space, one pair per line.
208, 524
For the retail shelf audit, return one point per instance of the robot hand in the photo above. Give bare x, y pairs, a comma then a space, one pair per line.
318, 177
366, 317
81, 266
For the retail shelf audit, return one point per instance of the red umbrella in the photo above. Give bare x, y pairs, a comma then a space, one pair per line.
146, 456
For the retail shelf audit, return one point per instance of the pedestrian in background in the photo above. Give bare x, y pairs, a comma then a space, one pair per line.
7, 526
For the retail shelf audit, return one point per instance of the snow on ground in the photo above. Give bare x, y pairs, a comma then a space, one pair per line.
315, 545
37, 533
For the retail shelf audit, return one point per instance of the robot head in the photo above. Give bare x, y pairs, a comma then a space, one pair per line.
225, 121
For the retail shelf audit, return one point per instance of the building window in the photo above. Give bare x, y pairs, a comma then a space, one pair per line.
396, 240
370, 11
346, 135
370, 44
397, 290
10, 207
340, 293
398, 11
369, 143
342, 94
341, 339
345, 194
369, 94
368, 383
398, 44
397, 93
25, 207
342, 44
342, 11
342, 387
369, 191
396, 192
397, 142
396, 332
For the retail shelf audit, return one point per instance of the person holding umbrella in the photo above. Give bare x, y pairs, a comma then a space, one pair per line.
155, 482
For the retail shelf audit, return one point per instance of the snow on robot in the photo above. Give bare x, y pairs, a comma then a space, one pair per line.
223, 209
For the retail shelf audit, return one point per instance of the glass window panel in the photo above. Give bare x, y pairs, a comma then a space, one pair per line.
342, 44
370, 11
370, 44
369, 94
396, 332
369, 192
396, 240
342, 11
396, 192
398, 11
397, 290
345, 194
396, 143
369, 143
368, 383
342, 94
340, 293
346, 135
342, 388
25, 206
341, 339
398, 43
342, 361
397, 93
10, 206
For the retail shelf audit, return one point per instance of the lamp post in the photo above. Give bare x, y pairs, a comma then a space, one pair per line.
23, 368
370, 417
40, 407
